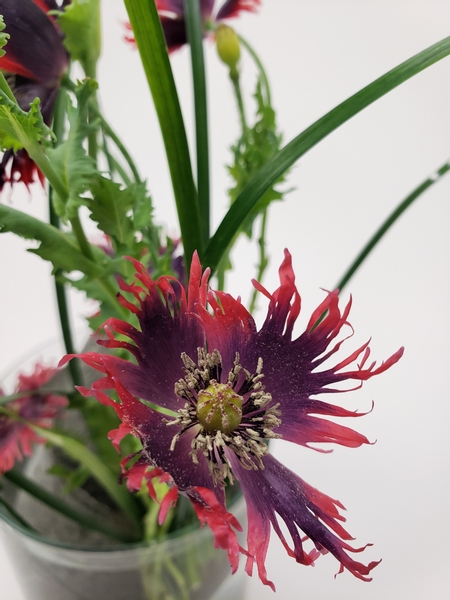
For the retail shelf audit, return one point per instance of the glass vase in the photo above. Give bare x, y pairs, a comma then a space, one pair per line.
183, 566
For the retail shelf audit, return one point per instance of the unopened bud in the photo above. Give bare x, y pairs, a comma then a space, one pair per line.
228, 48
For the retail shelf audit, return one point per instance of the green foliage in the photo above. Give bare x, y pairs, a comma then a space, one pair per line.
20, 129
82, 16
70, 161
252, 151
121, 214
3, 37
58, 247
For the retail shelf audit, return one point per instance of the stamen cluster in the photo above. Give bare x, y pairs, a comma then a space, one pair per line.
233, 414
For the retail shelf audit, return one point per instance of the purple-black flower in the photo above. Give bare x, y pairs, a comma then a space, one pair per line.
172, 15
207, 390
34, 63
31, 405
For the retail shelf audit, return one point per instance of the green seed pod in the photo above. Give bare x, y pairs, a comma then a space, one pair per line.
219, 408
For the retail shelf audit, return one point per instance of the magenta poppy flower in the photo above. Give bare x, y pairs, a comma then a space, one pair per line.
207, 390
41, 409
172, 17
34, 63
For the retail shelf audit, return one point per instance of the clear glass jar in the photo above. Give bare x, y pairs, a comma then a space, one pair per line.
184, 566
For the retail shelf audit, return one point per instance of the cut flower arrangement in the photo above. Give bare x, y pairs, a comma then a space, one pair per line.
172, 420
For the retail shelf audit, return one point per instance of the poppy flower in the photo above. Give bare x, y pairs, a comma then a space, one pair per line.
34, 64
171, 13
206, 392
36, 407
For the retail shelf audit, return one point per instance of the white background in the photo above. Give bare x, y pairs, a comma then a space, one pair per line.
317, 53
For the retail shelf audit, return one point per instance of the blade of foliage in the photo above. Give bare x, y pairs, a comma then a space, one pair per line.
286, 157
69, 160
194, 23
392, 218
152, 48
82, 15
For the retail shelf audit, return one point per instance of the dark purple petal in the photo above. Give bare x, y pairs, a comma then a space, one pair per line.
232, 8
34, 49
174, 32
276, 493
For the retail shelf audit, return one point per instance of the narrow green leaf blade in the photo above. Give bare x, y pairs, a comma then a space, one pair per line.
152, 48
309, 138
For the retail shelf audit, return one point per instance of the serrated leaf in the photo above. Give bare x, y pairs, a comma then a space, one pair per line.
20, 129
74, 167
60, 248
110, 207
4, 37
80, 23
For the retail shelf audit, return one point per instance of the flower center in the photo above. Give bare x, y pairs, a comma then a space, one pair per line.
219, 408
225, 412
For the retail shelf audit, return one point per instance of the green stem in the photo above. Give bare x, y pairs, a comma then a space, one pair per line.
114, 165
260, 66
15, 515
90, 67
114, 137
151, 44
240, 103
108, 130
194, 25
85, 246
61, 298
418, 191
263, 259
62, 507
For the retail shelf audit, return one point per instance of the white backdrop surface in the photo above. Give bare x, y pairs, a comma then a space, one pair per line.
317, 53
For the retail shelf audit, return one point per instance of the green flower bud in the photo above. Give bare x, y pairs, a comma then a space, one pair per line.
228, 48
219, 408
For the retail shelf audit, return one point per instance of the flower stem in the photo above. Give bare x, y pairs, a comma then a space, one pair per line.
108, 130
61, 298
115, 138
195, 37
260, 66
240, 103
263, 259
392, 218
15, 515
62, 507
